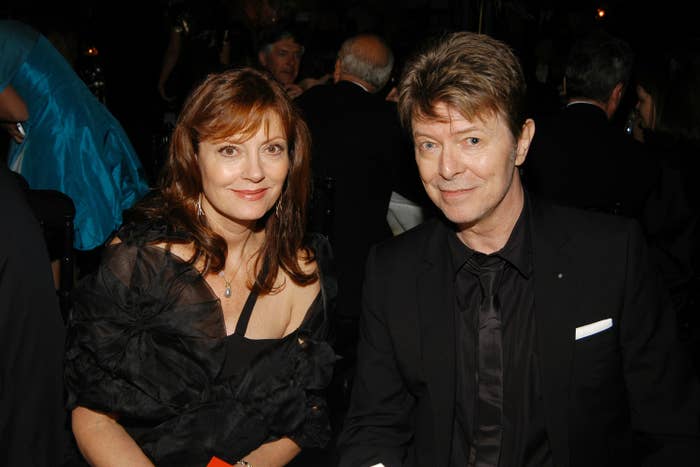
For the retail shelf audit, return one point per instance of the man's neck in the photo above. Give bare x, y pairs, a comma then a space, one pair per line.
580, 100
492, 233
356, 81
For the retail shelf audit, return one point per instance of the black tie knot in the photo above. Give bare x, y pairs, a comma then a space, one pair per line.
488, 269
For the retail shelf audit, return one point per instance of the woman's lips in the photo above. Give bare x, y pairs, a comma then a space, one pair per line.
251, 195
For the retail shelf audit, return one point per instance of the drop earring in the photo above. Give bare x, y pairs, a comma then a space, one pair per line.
278, 208
199, 205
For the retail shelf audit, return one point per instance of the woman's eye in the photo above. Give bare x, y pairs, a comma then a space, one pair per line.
228, 151
274, 149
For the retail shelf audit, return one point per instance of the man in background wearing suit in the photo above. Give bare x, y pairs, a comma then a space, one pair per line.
512, 332
356, 139
578, 157
356, 146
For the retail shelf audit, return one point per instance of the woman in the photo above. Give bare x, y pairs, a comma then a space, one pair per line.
668, 105
202, 333
63, 138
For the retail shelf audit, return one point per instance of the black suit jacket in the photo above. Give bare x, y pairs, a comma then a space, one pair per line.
599, 392
32, 417
356, 140
578, 158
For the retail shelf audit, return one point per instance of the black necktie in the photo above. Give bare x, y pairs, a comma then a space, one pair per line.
486, 448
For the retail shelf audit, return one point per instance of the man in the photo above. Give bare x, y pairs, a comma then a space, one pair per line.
512, 332
357, 142
280, 54
565, 160
357, 139
32, 417
572, 145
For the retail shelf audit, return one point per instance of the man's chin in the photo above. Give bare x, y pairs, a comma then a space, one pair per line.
461, 220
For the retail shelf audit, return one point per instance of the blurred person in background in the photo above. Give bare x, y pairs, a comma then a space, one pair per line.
63, 138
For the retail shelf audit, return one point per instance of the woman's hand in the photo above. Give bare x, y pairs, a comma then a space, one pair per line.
273, 454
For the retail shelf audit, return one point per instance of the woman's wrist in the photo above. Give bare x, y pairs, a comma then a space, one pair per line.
244, 463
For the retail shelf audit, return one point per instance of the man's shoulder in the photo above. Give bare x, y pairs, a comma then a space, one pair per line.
583, 223
313, 99
345, 93
314, 94
412, 244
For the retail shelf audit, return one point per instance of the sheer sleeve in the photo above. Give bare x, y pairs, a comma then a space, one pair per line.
143, 336
146, 341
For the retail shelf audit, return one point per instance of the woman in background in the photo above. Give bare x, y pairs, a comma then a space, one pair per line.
203, 332
668, 106
63, 138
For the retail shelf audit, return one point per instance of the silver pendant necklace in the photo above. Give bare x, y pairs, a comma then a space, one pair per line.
227, 282
227, 289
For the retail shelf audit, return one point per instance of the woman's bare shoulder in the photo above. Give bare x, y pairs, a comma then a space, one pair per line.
183, 251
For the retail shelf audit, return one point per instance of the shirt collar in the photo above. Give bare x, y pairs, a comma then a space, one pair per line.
356, 84
517, 251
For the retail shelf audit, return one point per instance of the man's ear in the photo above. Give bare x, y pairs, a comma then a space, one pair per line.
262, 58
614, 99
336, 71
524, 141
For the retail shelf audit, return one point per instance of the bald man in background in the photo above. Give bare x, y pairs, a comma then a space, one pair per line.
357, 143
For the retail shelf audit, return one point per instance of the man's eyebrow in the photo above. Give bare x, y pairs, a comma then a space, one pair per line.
460, 131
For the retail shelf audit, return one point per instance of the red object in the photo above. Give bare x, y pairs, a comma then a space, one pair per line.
216, 462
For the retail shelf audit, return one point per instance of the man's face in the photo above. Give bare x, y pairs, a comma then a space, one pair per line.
283, 60
468, 168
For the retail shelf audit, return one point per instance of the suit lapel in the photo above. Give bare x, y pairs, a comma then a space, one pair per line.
554, 292
436, 314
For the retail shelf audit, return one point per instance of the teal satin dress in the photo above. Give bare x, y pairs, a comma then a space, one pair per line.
73, 144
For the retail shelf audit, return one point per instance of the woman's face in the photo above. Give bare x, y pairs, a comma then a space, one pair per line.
645, 108
242, 179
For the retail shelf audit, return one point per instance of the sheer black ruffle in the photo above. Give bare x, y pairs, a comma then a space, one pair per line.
146, 341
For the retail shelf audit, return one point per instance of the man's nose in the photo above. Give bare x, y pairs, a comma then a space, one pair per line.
449, 163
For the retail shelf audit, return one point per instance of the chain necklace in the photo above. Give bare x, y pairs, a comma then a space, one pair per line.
227, 282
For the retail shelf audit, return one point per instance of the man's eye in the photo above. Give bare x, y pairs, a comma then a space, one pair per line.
473, 140
428, 146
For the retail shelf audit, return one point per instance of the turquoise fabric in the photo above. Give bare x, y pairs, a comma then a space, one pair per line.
73, 144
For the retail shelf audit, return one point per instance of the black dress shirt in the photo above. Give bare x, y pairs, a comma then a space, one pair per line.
524, 437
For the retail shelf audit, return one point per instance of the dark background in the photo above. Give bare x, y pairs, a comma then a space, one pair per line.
131, 37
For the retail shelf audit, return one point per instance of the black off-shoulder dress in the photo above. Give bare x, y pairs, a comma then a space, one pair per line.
147, 341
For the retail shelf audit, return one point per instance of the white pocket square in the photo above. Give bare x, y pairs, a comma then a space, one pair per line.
378, 465
593, 328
